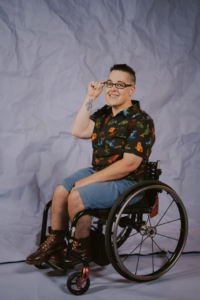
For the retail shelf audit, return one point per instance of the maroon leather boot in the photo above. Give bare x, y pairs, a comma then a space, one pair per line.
80, 246
55, 242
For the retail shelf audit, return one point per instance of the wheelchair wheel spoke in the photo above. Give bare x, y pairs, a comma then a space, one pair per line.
134, 250
169, 222
133, 234
167, 236
148, 220
165, 212
139, 255
160, 249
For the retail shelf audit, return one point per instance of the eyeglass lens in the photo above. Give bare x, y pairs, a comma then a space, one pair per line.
118, 85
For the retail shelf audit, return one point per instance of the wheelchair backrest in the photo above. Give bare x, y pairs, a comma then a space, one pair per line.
153, 172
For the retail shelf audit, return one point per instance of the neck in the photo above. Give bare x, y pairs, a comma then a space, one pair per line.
116, 109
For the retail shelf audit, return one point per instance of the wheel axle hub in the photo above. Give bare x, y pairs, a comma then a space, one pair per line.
151, 232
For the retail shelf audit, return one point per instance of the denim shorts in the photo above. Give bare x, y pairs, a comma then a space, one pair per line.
99, 194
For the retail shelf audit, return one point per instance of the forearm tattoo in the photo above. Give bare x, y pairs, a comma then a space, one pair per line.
89, 104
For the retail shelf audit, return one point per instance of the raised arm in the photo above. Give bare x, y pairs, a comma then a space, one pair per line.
83, 127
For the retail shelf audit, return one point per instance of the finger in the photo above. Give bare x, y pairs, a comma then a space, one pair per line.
101, 83
99, 86
92, 83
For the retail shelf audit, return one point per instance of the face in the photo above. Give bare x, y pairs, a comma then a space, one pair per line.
119, 97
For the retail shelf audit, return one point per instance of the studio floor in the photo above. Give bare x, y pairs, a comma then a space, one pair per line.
20, 281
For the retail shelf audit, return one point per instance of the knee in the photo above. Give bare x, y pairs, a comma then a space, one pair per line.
60, 194
75, 204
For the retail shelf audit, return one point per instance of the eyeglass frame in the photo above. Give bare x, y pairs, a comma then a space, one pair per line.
117, 87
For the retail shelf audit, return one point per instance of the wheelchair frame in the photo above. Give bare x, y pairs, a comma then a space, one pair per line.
120, 221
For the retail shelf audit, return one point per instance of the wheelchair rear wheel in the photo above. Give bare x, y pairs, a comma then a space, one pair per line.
124, 232
154, 244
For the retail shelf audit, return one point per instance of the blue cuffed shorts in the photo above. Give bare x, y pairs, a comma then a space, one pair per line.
99, 194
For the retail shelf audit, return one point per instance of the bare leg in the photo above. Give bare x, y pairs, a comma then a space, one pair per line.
75, 204
59, 221
59, 209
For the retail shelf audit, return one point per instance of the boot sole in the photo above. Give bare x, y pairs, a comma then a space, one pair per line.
36, 262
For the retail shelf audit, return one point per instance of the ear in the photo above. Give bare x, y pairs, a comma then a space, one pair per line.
132, 90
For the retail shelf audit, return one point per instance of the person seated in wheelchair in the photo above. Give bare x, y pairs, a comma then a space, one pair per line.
122, 137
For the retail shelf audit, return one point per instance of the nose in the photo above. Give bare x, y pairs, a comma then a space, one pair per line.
113, 88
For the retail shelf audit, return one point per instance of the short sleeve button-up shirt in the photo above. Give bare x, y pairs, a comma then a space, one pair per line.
130, 130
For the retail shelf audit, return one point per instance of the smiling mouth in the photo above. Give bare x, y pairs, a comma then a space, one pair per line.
113, 96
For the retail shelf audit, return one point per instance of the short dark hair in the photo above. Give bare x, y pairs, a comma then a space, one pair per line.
127, 69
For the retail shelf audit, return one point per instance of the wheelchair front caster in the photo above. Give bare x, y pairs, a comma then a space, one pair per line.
42, 266
73, 284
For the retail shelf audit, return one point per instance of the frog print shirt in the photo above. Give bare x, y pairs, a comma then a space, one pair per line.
130, 131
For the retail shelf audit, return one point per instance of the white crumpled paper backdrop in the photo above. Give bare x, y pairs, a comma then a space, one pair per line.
49, 51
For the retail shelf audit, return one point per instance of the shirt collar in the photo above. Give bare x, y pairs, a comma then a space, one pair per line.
129, 110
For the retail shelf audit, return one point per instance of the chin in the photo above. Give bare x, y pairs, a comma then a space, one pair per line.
112, 101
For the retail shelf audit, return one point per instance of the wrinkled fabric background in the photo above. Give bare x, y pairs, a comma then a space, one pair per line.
49, 51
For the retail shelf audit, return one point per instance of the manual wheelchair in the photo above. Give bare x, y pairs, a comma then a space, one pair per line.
142, 241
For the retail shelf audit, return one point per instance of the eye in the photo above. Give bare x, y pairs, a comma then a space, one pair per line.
120, 85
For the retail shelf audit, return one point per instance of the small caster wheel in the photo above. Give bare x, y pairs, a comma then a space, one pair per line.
72, 284
42, 266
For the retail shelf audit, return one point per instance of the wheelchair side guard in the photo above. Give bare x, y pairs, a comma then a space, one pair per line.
155, 208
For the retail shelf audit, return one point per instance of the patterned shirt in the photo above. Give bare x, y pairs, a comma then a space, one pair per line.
130, 130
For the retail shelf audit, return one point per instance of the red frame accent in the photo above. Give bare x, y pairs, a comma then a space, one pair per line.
155, 208
86, 271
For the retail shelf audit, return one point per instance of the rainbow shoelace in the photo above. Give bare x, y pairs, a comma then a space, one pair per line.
75, 245
49, 240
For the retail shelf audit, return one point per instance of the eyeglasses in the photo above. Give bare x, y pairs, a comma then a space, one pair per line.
119, 85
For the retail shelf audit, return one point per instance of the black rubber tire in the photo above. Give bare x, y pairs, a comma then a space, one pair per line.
113, 251
72, 280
